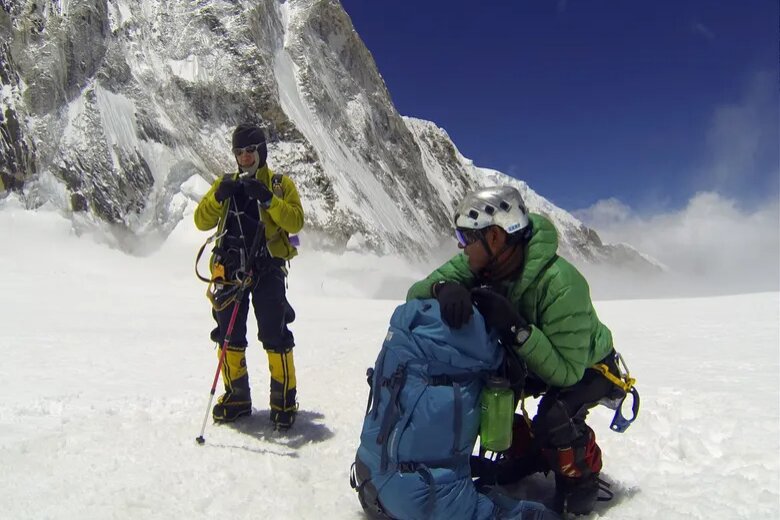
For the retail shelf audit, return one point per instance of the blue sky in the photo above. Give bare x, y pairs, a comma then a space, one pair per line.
647, 102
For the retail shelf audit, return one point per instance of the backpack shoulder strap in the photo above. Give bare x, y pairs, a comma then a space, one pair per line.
276, 184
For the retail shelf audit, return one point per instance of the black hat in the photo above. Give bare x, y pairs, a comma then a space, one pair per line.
247, 134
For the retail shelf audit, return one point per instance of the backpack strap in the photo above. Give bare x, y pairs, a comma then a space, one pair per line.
276, 184
427, 476
424, 469
452, 379
277, 190
395, 383
374, 392
456, 381
361, 481
457, 423
392, 413
369, 380
452, 463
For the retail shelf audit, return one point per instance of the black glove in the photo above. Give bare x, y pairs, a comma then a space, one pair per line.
258, 191
501, 315
455, 303
227, 188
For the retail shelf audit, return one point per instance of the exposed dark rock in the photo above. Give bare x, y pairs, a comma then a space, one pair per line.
78, 202
114, 73
124, 106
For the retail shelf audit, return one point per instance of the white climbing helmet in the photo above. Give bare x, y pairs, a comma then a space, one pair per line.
500, 206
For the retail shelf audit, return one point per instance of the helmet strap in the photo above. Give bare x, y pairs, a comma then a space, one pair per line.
503, 263
483, 241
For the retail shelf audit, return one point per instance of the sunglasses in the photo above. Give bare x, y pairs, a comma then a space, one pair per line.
466, 237
252, 148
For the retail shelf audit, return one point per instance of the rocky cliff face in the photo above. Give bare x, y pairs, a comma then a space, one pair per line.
109, 106
17, 161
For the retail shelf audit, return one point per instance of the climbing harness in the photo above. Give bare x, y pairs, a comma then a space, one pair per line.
625, 383
220, 291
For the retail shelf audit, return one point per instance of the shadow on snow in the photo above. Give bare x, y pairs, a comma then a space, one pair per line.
541, 488
308, 428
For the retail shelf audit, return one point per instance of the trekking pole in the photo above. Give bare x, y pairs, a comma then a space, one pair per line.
199, 439
248, 268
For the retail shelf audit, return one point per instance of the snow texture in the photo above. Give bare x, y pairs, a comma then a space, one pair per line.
107, 369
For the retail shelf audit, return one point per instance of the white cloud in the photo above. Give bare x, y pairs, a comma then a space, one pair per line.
605, 212
716, 243
742, 138
712, 243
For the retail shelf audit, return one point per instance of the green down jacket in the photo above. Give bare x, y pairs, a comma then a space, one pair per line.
566, 335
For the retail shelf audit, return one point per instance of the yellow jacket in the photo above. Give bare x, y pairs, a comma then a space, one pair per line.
283, 217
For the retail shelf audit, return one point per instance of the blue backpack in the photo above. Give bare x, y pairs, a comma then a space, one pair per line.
422, 421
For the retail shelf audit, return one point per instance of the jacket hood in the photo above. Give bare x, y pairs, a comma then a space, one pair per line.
540, 251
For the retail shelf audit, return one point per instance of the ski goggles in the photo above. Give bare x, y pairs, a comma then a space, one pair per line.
466, 237
252, 148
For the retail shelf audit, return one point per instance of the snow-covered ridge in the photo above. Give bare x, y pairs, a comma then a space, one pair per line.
120, 103
444, 163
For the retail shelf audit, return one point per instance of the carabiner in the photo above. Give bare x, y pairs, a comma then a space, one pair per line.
619, 422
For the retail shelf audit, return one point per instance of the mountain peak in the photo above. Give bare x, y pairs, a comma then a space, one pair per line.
119, 107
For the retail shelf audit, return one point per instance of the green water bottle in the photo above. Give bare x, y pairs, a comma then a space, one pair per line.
498, 410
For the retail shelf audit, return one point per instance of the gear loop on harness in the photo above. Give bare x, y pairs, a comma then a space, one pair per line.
625, 383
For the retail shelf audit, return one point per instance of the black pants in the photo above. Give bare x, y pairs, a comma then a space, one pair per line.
272, 311
560, 440
560, 416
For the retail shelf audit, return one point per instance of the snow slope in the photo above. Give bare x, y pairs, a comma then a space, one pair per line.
107, 367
